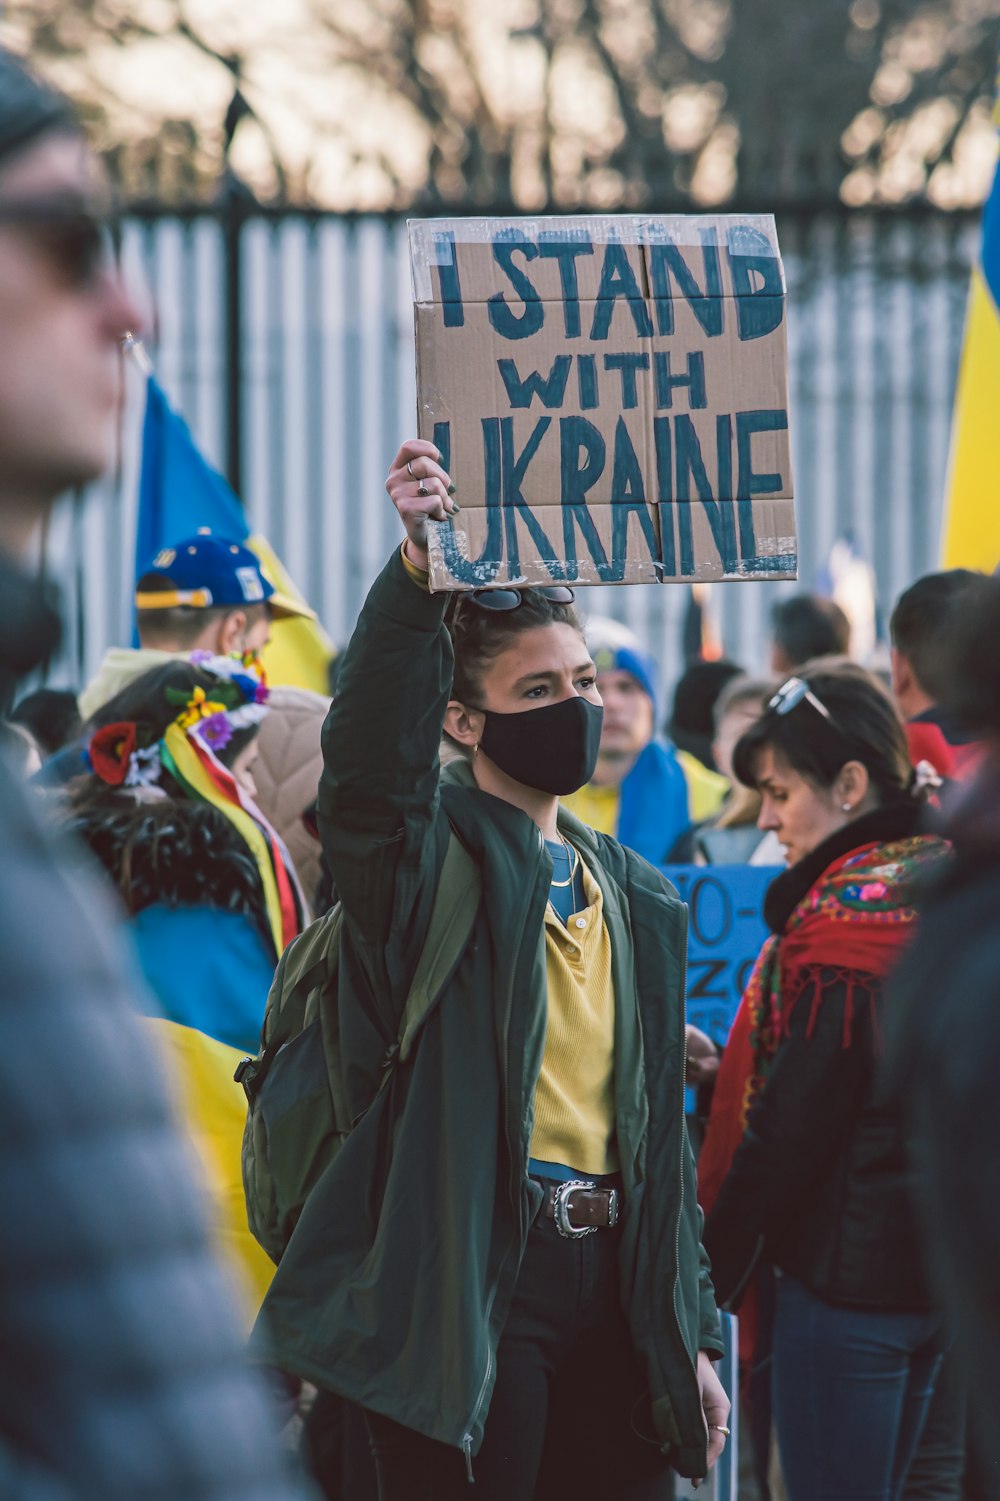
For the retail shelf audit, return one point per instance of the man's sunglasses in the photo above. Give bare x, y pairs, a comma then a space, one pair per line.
502, 600
793, 693
78, 240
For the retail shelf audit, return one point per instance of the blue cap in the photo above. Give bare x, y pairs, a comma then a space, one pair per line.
208, 572
638, 664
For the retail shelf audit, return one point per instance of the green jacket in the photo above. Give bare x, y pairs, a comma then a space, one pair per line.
396, 1283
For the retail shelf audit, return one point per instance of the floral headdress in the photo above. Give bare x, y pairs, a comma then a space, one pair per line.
238, 698
205, 723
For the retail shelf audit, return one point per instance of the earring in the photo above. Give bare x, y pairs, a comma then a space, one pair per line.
846, 808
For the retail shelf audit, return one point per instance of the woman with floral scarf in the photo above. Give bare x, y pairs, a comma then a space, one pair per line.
167, 805
804, 1167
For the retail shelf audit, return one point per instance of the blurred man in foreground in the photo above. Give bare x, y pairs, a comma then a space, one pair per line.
121, 1377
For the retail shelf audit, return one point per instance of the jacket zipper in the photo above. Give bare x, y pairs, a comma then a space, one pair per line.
680, 1205
467, 1438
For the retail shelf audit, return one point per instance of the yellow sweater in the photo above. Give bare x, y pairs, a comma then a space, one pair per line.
574, 1098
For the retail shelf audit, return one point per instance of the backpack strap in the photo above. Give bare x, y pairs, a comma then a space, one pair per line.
456, 903
314, 952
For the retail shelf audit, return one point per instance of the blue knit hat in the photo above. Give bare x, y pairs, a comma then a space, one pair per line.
616, 649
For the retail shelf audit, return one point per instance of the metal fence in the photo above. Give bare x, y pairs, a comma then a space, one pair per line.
324, 394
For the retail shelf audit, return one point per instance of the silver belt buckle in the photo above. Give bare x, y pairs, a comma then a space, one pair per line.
560, 1210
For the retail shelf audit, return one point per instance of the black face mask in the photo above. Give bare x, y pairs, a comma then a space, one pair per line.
553, 749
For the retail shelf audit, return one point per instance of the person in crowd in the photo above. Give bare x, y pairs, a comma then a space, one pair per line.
50, 716
209, 594
489, 1287
168, 808
204, 593
945, 1056
287, 772
732, 836
638, 792
805, 627
692, 729
122, 1376
804, 1162
921, 628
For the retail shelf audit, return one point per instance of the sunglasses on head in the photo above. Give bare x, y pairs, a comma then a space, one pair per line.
502, 600
78, 240
795, 692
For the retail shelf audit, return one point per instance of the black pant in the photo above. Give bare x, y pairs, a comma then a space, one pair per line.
569, 1413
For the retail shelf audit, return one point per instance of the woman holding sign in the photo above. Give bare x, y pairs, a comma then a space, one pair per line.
502, 1264
804, 1161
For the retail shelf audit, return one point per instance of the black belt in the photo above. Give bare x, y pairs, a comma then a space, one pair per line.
581, 1208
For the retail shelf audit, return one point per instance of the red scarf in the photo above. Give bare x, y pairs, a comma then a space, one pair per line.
851, 926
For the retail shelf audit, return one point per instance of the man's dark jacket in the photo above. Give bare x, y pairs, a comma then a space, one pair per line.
395, 1287
943, 1046
121, 1373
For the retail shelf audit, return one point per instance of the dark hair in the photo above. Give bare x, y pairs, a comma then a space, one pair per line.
809, 626
972, 690
924, 622
182, 625
863, 726
172, 852
144, 702
478, 636
691, 725
740, 691
29, 109
51, 715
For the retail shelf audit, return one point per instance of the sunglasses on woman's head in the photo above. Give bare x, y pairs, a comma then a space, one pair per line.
76, 238
796, 691
502, 600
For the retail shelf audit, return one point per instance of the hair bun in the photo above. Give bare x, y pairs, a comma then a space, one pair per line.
925, 780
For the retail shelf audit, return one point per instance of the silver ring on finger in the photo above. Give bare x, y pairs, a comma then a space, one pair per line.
422, 490
409, 469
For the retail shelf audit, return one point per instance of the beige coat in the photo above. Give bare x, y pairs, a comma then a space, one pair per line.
287, 772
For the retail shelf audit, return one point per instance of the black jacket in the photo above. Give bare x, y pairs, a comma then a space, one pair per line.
121, 1373
943, 1049
821, 1184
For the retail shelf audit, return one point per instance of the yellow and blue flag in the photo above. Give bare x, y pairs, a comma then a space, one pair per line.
972, 502
179, 493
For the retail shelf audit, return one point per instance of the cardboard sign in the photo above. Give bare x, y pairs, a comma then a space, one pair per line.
726, 933
610, 397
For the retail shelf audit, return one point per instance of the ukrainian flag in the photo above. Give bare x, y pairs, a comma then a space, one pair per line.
972, 506
179, 492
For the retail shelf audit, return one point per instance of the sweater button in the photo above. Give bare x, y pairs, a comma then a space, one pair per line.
581, 922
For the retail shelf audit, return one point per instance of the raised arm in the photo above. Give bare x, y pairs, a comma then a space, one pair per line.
379, 789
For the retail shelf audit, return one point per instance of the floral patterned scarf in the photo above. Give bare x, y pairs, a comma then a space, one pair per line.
850, 927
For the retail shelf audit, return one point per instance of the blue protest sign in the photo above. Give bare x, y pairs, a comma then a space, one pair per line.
726, 933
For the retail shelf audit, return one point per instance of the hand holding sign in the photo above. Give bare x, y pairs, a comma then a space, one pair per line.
419, 489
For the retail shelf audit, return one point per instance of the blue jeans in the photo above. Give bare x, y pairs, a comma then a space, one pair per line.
851, 1392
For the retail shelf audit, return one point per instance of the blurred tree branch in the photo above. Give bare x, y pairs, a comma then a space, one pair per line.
564, 103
